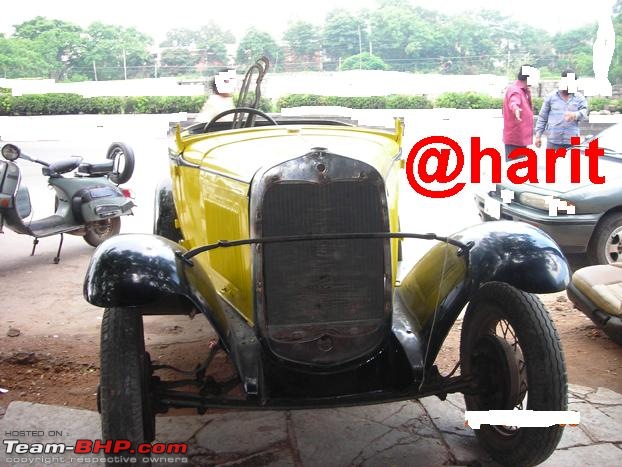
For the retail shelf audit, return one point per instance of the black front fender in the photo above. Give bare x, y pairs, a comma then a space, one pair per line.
516, 253
141, 269
444, 280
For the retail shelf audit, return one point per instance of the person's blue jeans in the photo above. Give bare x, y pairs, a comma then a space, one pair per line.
550, 145
509, 148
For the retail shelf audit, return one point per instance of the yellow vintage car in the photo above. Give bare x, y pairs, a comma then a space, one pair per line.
285, 235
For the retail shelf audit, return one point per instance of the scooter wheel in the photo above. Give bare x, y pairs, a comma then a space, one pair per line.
97, 232
123, 157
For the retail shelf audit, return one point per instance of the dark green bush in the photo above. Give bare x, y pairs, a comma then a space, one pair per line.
47, 104
28, 105
605, 103
400, 101
104, 105
6, 104
393, 101
598, 103
537, 104
352, 102
55, 104
298, 100
195, 103
615, 105
468, 100
62, 104
265, 104
364, 61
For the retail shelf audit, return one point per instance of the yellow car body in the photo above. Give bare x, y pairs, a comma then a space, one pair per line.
285, 235
219, 169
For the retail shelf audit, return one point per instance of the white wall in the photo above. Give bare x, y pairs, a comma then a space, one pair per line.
344, 83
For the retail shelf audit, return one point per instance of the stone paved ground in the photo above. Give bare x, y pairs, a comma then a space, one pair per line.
425, 433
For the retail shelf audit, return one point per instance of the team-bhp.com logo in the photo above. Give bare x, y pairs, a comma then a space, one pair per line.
435, 164
121, 450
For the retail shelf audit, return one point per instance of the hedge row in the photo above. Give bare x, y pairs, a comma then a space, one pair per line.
55, 104
58, 104
454, 100
605, 103
367, 102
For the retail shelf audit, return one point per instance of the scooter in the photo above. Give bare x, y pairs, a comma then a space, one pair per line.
90, 204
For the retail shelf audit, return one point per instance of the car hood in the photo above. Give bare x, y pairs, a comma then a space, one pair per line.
239, 154
607, 167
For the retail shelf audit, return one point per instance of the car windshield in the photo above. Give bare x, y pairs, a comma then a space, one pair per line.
611, 140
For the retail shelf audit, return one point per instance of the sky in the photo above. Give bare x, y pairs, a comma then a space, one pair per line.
155, 17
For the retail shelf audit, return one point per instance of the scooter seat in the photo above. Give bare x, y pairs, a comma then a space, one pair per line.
102, 168
597, 292
62, 166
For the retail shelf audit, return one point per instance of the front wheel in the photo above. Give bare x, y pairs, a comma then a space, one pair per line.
98, 231
125, 375
510, 346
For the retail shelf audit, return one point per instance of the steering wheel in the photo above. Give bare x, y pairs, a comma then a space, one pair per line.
241, 110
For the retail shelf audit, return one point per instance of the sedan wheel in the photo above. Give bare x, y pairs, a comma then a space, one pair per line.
614, 246
606, 244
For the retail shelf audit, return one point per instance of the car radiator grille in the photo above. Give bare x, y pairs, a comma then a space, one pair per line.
317, 282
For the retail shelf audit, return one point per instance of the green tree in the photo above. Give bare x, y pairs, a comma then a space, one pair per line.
303, 40
212, 39
363, 61
615, 71
60, 44
176, 61
255, 44
115, 49
186, 48
341, 34
407, 38
531, 45
470, 44
583, 64
577, 40
18, 59
181, 37
428, 46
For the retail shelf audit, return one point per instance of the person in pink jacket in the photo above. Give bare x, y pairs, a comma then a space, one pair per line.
518, 113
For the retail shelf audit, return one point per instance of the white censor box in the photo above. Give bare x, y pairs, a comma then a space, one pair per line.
520, 418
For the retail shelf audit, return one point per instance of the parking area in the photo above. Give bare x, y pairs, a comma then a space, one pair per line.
53, 359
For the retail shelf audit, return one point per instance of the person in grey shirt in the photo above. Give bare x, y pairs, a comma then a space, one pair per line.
560, 114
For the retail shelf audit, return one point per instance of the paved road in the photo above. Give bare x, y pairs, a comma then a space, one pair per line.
52, 138
411, 433
403, 434
151, 166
